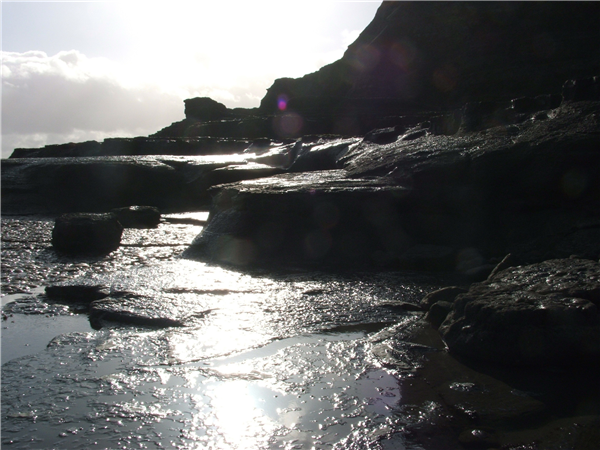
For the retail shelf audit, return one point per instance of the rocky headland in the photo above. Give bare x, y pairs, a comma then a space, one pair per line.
449, 136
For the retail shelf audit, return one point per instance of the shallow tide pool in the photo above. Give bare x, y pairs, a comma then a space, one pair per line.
266, 360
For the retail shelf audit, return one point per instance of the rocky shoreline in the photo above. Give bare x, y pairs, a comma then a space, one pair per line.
344, 170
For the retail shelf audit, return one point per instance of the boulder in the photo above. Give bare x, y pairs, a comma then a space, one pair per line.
204, 108
81, 233
540, 314
307, 218
138, 216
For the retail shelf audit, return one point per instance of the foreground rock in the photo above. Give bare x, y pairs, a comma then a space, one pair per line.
482, 406
304, 218
541, 314
86, 234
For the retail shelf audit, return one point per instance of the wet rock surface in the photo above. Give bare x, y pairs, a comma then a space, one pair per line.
29, 261
460, 404
130, 309
429, 203
541, 314
99, 184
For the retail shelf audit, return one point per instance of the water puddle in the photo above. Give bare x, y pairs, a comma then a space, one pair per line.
91, 390
265, 360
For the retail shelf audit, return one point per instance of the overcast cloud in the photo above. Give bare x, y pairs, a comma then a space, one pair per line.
68, 97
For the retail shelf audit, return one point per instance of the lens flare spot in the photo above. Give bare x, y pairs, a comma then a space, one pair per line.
317, 244
288, 125
403, 55
282, 102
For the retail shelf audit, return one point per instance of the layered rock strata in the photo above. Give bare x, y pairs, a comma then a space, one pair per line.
426, 201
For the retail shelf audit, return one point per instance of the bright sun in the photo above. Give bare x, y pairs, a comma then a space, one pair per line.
211, 43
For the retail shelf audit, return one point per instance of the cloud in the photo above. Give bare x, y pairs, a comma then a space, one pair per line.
67, 96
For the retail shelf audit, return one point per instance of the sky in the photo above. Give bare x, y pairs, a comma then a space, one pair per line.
78, 71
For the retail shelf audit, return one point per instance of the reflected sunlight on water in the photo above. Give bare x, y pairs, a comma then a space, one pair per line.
258, 363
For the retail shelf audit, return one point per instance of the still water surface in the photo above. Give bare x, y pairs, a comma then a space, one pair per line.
266, 360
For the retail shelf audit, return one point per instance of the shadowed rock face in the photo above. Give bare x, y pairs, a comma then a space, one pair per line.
423, 56
86, 234
169, 183
428, 202
546, 313
138, 146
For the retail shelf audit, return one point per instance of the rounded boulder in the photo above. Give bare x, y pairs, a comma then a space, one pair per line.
84, 233
541, 314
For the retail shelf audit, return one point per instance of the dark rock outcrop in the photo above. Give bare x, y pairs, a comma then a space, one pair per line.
204, 108
541, 314
421, 61
157, 145
138, 216
77, 234
169, 183
429, 202
304, 218
432, 55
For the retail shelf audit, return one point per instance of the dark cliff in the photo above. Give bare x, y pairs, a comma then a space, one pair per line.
418, 58
422, 56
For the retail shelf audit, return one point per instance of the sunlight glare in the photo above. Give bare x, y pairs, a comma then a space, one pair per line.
238, 418
187, 46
